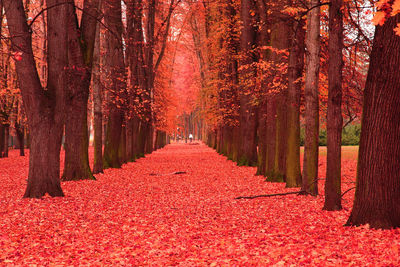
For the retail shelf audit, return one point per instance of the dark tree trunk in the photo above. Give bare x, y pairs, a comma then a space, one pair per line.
377, 197
117, 85
80, 47
111, 157
2, 139
130, 141
44, 108
20, 137
295, 72
310, 163
122, 145
333, 193
6, 139
248, 111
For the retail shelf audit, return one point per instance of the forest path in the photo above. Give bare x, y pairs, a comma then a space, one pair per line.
130, 216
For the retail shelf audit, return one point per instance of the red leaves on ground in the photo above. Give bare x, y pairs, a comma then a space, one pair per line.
129, 217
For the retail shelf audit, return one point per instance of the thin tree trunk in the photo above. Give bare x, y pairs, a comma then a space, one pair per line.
377, 195
333, 192
6, 139
310, 163
97, 107
2, 139
295, 72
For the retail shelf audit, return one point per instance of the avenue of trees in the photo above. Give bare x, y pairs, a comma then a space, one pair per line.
251, 74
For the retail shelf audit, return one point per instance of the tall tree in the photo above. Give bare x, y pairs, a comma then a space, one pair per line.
115, 74
334, 118
295, 72
377, 194
97, 106
310, 163
248, 110
45, 108
81, 39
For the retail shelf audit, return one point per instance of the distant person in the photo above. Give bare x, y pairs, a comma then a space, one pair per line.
190, 138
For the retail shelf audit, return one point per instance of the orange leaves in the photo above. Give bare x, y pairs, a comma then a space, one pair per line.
386, 9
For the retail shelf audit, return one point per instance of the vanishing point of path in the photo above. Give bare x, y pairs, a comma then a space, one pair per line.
146, 214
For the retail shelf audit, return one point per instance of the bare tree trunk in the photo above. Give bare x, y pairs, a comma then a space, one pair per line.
310, 163
44, 108
333, 193
80, 47
116, 71
97, 107
248, 111
6, 139
295, 72
377, 194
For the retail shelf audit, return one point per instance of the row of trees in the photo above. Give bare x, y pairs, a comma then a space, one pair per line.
66, 51
264, 63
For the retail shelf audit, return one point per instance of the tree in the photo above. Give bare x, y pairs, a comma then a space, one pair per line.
248, 111
295, 72
45, 108
310, 163
334, 118
115, 75
377, 194
81, 39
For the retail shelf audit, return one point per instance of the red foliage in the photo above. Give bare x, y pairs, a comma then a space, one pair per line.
128, 217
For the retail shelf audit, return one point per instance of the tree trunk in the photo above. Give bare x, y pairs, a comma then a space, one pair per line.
2, 139
80, 47
377, 195
310, 163
97, 107
20, 137
248, 111
117, 85
333, 193
6, 139
44, 108
295, 72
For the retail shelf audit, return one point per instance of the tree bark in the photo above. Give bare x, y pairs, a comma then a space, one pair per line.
295, 72
377, 196
97, 107
310, 163
333, 192
80, 47
45, 109
248, 111
117, 85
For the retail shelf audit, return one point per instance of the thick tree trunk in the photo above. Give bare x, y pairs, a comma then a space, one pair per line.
44, 108
377, 194
111, 157
333, 193
122, 145
310, 163
97, 107
248, 111
44, 160
80, 47
295, 72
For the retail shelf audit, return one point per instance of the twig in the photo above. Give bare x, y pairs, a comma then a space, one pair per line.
172, 173
270, 195
348, 190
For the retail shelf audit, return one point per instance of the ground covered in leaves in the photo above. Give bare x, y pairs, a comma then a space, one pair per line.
130, 216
